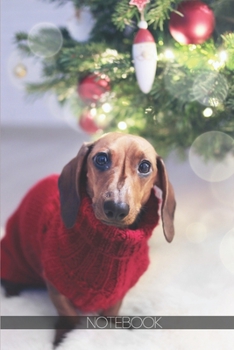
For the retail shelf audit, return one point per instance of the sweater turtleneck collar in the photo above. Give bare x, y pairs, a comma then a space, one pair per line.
111, 240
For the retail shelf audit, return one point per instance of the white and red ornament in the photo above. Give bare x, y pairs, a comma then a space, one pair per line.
144, 52
195, 24
92, 87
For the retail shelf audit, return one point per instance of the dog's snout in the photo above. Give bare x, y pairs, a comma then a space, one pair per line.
116, 210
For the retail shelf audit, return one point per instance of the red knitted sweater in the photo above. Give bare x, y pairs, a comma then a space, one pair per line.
92, 264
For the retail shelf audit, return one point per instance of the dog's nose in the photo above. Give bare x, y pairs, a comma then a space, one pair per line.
116, 211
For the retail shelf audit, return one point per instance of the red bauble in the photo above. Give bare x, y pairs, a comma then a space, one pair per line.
196, 25
87, 123
92, 87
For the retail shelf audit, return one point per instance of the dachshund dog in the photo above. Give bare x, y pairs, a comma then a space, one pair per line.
120, 177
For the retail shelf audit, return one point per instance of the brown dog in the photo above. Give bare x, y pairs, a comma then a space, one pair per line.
118, 172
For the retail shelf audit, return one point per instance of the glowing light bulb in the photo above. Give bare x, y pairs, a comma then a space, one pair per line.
169, 54
223, 56
207, 112
106, 107
101, 117
122, 125
93, 112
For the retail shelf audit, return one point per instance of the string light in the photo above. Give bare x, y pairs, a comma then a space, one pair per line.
122, 126
93, 112
207, 112
221, 62
223, 56
106, 107
192, 47
169, 54
216, 64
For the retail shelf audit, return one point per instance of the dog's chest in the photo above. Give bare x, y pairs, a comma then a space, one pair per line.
91, 277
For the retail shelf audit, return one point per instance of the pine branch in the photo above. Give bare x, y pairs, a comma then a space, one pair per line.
124, 14
20, 40
159, 11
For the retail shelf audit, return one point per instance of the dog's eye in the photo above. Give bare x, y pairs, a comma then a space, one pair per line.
144, 167
101, 160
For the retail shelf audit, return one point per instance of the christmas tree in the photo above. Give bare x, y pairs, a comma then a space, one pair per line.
193, 88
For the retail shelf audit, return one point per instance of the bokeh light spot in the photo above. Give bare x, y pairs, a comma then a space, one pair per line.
207, 112
210, 88
45, 40
226, 251
122, 125
211, 156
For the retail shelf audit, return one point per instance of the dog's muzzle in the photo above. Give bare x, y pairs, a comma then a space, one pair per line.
115, 211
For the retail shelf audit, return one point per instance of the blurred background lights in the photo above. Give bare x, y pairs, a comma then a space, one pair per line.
223, 56
226, 251
101, 117
23, 70
45, 40
106, 107
122, 126
207, 112
169, 54
93, 112
210, 88
223, 192
211, 156
192, 47
20, 70
218, 219
178, 83
214, 102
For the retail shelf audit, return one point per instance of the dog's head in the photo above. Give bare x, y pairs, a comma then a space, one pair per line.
121, 171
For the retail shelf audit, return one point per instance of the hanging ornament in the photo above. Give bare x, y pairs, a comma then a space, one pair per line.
144, 52
20, 71
139, 3
81, 24
195, 25
87, 123
92, 87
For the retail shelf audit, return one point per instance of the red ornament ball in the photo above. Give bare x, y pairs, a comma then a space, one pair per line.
87, 123
92, 87
195, 26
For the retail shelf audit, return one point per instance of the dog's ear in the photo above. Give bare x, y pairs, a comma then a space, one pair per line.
168, 200
69, 185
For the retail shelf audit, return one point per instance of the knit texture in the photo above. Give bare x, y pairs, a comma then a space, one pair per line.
92, 264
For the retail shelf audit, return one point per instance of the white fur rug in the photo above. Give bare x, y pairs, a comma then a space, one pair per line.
194, 275
183, 279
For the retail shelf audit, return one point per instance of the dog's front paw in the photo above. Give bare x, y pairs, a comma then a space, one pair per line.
63, 326
59, 336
